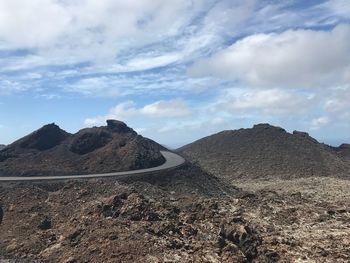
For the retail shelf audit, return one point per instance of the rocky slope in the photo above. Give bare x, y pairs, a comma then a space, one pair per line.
2, 146
52, 151
266, 151
306, 220
344, 151
112, 222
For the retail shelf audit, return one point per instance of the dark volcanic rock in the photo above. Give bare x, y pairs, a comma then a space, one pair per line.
344, 151
304, 135
264, 151
118, 126
45, 138
89, 140
45, 224
52, 151
2, 146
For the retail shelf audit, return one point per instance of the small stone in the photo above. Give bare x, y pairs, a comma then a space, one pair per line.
45, 224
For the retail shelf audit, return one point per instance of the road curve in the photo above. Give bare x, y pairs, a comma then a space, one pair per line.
172, 161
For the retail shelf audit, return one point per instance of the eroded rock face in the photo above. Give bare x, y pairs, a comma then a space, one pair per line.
267, 126
89, 141
304, 135
2, 146
118, 126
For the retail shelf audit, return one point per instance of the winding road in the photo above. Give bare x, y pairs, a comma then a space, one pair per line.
172, 161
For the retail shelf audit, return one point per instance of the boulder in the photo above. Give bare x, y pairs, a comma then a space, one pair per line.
118, 126
45, 224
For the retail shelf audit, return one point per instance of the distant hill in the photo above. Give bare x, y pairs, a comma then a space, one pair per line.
344, 151
265, 151
2, 146
52, 151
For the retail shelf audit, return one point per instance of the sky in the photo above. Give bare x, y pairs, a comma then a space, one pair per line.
176, 70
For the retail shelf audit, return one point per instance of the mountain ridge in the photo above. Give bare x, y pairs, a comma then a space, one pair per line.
265, 151
52, 151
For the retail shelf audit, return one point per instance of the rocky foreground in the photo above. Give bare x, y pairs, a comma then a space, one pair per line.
148, 222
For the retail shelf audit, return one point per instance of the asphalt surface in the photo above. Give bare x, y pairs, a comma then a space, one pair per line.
172, 161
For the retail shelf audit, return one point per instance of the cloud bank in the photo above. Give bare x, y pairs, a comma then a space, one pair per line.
294, 58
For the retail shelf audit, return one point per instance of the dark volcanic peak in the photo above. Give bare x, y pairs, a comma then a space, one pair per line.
45, 138
118, 126
344, 151
344, 147
267, 126
264, 151
52, 151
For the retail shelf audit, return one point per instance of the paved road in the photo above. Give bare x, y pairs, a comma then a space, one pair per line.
172, 161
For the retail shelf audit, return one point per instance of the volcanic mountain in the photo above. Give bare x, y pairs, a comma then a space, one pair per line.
266, 151
52, 151
344, 151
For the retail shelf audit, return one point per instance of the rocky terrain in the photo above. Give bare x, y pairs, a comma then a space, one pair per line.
2, 146
52, 151
344, 151
143, 221
265, 151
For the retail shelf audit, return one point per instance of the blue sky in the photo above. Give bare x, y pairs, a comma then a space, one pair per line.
175, 70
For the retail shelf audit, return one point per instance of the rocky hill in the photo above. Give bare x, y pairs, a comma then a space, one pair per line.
266, 151
2, 146
52, 151
344, 151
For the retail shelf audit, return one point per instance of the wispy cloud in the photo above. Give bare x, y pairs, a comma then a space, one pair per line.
159, 109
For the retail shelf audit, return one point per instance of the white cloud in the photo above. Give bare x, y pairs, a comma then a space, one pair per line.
271, 101
101, 86
144, 63
8, 87
263, 102
294, 58
32, 23
105, 32
319, 122
90, 30
170, 109
338, 7
165, 82
159, 109
337, 103
97, 22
